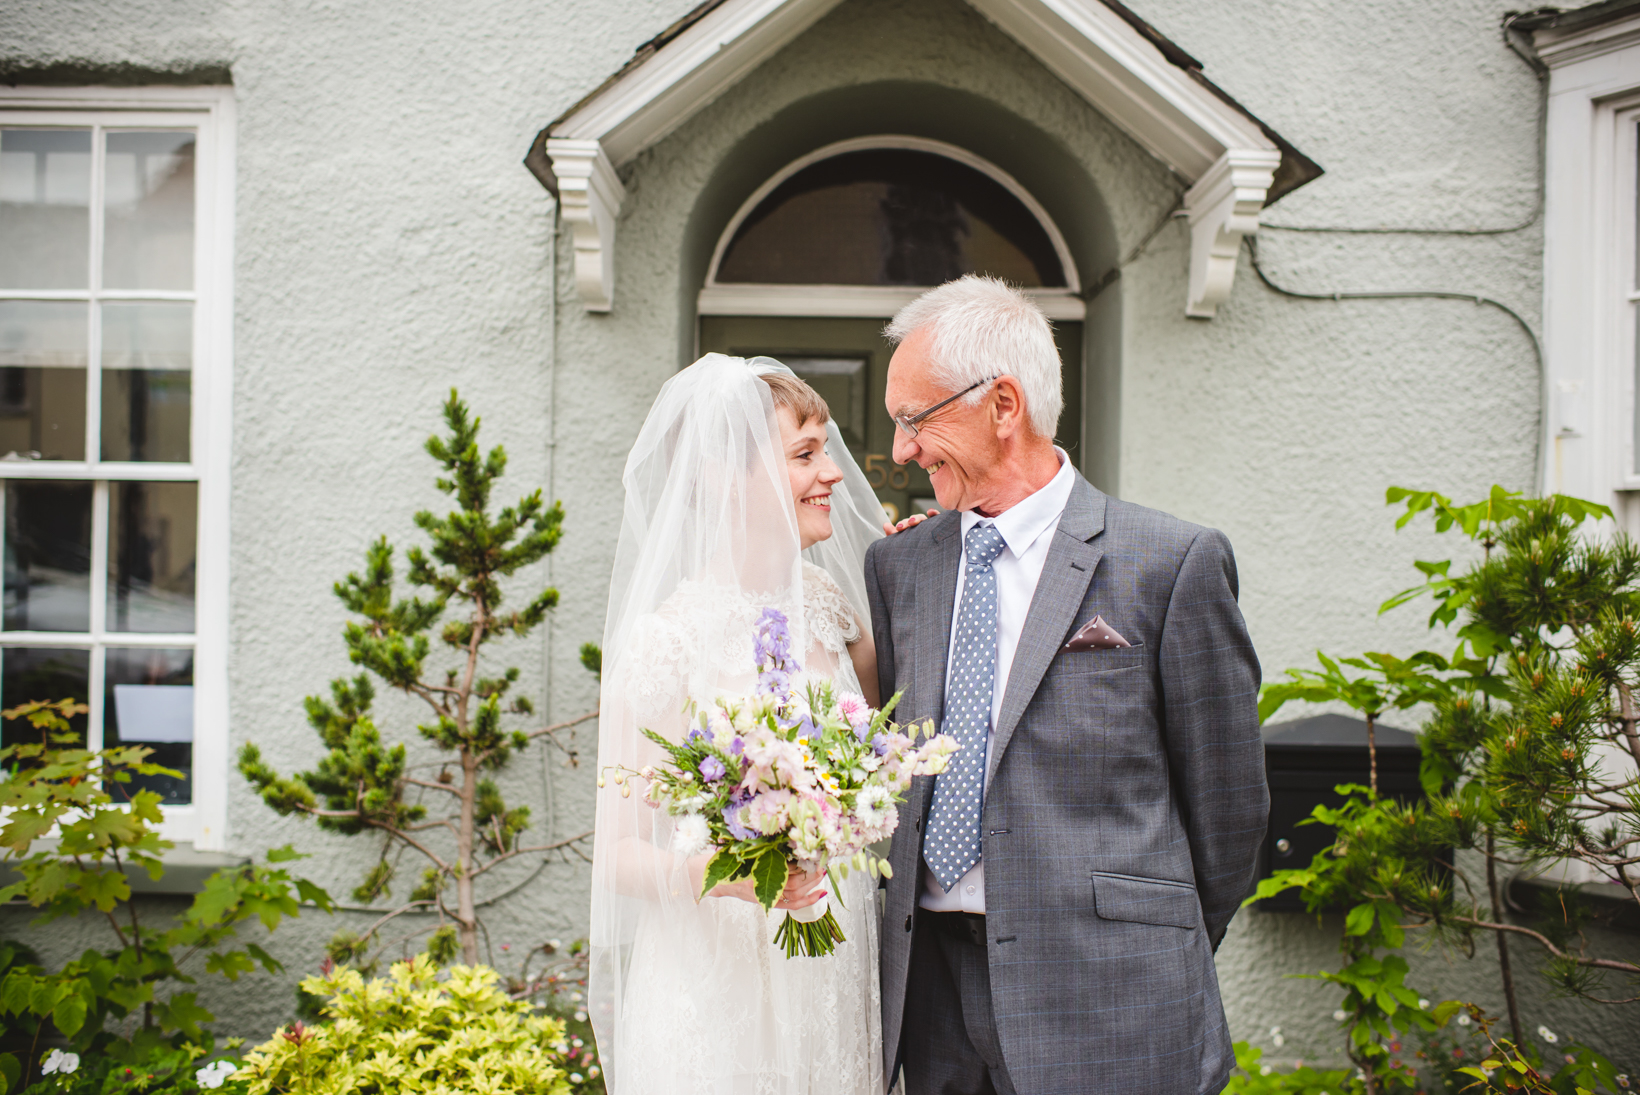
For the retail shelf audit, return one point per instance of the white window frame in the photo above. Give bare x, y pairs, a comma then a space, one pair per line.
209, 110
1589, 443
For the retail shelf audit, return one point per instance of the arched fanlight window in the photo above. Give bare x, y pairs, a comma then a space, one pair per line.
891, 212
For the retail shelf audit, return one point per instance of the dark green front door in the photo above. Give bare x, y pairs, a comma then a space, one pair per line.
846, 361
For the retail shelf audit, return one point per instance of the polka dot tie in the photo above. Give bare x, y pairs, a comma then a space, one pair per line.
951, 846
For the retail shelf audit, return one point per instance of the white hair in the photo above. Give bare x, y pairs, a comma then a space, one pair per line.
984, 328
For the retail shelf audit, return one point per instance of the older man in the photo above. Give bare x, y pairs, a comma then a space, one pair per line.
1058, 891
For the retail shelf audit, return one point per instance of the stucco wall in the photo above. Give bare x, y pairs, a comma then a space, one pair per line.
389, 244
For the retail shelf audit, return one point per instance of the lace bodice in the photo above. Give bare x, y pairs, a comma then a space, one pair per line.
700, 641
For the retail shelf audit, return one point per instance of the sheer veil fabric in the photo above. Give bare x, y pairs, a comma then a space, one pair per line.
690, 996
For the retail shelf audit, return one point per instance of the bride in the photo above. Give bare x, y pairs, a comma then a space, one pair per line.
739, 496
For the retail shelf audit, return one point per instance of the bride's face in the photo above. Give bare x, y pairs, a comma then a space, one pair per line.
812, 475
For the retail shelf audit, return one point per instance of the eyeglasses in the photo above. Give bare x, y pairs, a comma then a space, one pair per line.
908, 423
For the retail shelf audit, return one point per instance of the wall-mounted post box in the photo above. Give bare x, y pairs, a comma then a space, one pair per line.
1304, 760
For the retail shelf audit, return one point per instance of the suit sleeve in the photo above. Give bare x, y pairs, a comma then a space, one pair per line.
882, 635
1210, 682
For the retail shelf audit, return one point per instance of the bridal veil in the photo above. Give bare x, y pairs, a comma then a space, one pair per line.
708, 539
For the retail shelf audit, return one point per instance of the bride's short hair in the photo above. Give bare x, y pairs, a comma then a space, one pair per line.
797, 397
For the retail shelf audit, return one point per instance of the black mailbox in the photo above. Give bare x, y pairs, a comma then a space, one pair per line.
1304, 760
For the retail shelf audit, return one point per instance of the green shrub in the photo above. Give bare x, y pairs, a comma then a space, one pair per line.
118, 1016
411, 1031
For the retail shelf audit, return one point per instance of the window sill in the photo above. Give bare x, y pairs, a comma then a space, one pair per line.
186, 870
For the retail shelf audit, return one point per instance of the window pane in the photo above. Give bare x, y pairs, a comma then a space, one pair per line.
48, 556
45, 198
152, 530
890, 217
841, 382
147, 356
42, 380
148, 700
148, 236
29, 673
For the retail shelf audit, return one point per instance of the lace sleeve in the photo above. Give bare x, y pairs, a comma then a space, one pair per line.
830, 617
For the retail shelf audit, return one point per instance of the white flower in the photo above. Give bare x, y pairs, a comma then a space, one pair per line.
1548, 1035
576, 1078
1423, 1005
1340, 1015
214, 1073
1265, 1070
1622, 1079
872, 805
692, 835
580, 1017
1277, 1040
58, 1061
1463, 1019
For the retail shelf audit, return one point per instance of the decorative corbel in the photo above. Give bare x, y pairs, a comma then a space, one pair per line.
1223, 207
590, 196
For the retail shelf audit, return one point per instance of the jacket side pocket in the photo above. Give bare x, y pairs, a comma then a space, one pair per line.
1146, 900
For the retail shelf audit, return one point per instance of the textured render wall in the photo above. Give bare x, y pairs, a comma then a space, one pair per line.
388, 245
1282, 421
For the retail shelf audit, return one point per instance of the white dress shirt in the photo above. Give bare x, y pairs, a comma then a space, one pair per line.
1026, 530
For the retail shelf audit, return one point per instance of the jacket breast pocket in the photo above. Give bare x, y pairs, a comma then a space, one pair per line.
1145, 900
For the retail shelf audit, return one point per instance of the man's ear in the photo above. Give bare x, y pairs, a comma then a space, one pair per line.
1007, 407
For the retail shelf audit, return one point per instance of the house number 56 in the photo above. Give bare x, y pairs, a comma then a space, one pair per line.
881, 473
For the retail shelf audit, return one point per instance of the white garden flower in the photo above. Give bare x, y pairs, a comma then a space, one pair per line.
1548, 1035
214, 1073
1463, 1019
1276, 1038
1423, 1005
58, 1061
1340, 1015
1622, 1079
1265, 1070
872, 805
576, 1078
692, 835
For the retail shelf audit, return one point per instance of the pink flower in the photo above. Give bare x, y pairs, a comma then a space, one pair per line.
857, 711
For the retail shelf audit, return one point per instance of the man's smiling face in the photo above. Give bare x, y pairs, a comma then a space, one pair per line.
957, 445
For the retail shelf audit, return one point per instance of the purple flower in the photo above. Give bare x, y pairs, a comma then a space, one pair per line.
697, 734
806, 728
712, 769
731, 819
737, 745
879, 744
772, 644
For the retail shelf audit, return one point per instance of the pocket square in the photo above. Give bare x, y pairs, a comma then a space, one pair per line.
1096, 634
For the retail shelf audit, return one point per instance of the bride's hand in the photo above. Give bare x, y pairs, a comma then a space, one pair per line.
802, 889
909, 522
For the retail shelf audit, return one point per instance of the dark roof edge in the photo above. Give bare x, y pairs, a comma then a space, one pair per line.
1295, 169
642, 54
1589, 15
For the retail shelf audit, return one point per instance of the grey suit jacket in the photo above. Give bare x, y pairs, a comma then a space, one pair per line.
1126, 800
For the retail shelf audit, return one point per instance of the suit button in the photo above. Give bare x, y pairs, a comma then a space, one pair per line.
908, 923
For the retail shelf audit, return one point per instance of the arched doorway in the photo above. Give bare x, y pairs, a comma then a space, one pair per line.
829, 247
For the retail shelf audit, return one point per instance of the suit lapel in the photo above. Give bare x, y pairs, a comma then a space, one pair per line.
936, 594
1072, 559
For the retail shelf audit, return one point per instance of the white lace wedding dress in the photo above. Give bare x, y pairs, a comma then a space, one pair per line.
711, 1005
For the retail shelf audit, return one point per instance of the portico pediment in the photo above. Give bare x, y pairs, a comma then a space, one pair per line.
1232, 163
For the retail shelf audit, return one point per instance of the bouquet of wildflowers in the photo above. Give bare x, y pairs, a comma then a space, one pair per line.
795, 774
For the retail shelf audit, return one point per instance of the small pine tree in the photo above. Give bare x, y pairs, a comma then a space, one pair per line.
364, 784
1530, 758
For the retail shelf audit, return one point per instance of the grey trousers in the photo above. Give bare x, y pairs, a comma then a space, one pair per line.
950, 1044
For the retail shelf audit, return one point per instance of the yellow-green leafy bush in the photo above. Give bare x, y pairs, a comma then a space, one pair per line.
411, 1032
